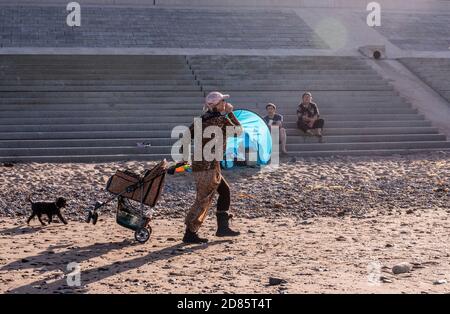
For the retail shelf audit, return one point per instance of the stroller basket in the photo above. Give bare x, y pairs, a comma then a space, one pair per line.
145, 189
129, 217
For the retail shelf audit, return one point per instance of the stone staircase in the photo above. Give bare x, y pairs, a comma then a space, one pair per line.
433, 71
97, 108
147, 27
423, 31
93, 108
363, 114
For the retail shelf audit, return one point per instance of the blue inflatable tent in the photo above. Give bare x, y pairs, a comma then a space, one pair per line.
256, 138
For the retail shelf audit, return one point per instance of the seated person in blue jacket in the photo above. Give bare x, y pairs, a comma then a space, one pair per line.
308, 116
275, 119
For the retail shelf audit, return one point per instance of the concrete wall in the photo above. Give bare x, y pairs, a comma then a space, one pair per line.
357, 4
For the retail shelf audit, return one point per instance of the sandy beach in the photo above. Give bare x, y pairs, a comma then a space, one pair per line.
336, 225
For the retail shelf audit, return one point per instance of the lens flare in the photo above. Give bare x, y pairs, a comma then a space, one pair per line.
332, 32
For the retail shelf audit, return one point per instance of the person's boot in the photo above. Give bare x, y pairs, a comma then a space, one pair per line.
223, 225
192, 237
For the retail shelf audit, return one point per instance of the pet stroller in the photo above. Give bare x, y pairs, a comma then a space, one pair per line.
126, 186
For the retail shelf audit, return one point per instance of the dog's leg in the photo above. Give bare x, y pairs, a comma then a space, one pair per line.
31, 217
61, 217
40, 219
50, 217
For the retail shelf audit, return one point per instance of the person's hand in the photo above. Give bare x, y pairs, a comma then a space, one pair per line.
228, 107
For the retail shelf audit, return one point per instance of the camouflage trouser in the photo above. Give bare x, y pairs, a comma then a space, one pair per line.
207, 183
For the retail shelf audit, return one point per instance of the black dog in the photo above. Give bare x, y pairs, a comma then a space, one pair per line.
49, 209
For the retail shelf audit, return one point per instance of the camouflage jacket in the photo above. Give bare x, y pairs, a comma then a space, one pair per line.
213, 119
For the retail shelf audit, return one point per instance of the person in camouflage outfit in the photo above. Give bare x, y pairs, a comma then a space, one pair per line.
207, 174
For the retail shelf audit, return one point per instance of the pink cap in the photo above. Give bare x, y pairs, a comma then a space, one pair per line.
214, 98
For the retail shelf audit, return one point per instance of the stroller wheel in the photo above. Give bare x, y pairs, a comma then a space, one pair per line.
142, 235
94, 218
89, 217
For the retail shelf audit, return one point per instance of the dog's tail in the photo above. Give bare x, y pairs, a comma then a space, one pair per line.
28, 198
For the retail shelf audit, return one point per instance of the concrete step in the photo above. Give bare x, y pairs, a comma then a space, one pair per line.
130, 142
177, 96
66, 151
81, 89
96, 76
64, 60
367, 124
275, 77
104, 71
101, 89
192, 91
85, 158
93, 74
319, 94
207, 73
253, 62
299, 88
362, 117
114, 112
281, 80
277, 68
156, 98
368, 152
136, 117
370, 131
117, 64
158, 80
160, 99
170, 125
123, 133
90, 67
367, 138
367, 146
205, 59
169, 108
78, 135
117, 126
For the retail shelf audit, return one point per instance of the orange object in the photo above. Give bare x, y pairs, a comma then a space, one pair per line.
179, 169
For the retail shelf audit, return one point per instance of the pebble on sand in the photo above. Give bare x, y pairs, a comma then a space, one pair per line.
276, 281
440, 282
402, 268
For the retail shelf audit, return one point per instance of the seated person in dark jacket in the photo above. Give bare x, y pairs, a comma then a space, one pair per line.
275, 119
308, 116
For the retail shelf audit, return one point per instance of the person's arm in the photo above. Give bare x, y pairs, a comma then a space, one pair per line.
316, 114
191, 130
232, 120
302, 116
311, 120
299, 114
279, 122
306, 118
